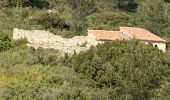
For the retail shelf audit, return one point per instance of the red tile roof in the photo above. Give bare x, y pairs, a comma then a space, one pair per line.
140, 34
107, 35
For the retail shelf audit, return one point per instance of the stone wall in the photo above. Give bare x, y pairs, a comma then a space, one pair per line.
45, 39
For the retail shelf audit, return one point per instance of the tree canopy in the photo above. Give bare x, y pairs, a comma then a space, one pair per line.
152, 15
132, 69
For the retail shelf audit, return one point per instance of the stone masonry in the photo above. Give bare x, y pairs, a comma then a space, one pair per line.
45, 39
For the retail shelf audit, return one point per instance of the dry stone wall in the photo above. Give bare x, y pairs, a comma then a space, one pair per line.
45, 39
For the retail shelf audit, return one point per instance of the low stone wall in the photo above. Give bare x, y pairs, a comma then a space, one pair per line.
45, 39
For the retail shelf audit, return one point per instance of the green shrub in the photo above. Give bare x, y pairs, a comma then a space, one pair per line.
26, 3
71, 33
131, 68
24, 13
21, 42
47, 19
5, 42
8, 12
109, 20
38, 82
40, 56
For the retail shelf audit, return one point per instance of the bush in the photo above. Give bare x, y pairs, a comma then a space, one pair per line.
26, 3
40, 56
109, 20
5, 42
47, 19
71, 33
51, 20
38, 82
131, 68
24, 13
8, 12
21, 42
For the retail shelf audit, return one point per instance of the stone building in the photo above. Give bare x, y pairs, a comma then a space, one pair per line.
127, 33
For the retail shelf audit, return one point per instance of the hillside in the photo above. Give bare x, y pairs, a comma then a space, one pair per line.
115, 70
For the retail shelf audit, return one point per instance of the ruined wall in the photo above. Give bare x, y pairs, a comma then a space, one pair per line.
45, 39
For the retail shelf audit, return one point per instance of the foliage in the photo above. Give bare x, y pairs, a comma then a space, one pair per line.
47, 19
114, 70
51, 20
24, 13
40, 56
21, 43
71, 33
127, 5
80, 9
22, 80
109, 20
167, 1
71, 16
26, 3
5, 42
152, 15
132, 69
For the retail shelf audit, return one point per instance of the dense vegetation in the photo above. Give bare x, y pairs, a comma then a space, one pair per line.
70, 18
119, 70
131, 69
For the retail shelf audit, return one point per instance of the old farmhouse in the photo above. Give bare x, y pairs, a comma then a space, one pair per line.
127, 33
45, 39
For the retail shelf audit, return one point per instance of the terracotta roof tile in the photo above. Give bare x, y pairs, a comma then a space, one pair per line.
107, 35
141, 34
